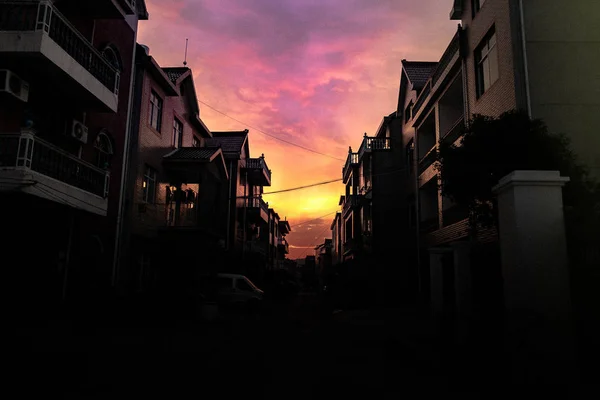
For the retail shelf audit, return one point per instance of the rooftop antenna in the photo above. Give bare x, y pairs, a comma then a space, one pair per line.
186, 47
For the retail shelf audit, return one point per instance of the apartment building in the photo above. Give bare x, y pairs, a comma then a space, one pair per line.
66, 68
173, 208
250, 225
505, 55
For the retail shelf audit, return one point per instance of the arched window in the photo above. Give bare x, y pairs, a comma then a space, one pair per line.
104, 150
111, 54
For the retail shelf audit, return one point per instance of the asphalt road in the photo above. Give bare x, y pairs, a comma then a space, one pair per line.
289, 351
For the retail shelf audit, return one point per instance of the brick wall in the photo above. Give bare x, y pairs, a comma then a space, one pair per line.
500, 97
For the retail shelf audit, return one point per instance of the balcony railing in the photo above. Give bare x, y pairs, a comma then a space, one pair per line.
43, 16
188, 215
26, 150
257, 202
451, 50
259, 164
428, 159
350, 161
374, 143
351, 201
283, 243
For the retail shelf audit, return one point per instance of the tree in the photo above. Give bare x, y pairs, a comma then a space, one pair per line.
491, 148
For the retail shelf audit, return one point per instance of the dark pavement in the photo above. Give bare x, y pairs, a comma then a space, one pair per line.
288, 351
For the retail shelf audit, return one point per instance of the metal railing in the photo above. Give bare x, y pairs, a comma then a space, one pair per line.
350, 161
258, 164
374, 143
26, 150
257, 202
351, 201
42, 16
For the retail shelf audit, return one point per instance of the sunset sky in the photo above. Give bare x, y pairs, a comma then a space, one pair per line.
319, 73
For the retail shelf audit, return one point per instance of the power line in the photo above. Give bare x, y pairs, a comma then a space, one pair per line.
270, 135
313, 220
331, 181
304, 187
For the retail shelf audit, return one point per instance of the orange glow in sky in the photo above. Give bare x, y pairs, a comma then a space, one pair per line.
316, 73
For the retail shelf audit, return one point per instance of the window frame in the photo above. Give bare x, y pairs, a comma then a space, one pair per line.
149, 182
196, 142
156, 109
483, 53
177, 134
408, 112
102, 154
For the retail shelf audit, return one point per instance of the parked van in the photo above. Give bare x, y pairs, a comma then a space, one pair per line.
235, 289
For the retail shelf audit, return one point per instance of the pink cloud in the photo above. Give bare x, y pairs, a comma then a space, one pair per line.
319, 73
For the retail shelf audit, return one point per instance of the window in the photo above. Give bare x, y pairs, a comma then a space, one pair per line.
407, 112
241, 284
156, 105
149, 186
196, 142
177, 133
477, 4
111, 54
486, 63
104, 150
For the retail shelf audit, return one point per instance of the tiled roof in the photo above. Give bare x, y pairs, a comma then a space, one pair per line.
175, 73
192, 153
230, 142
419, 72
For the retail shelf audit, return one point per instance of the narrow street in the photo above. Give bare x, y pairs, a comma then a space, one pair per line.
292, 351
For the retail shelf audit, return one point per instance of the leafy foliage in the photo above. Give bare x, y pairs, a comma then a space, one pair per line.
491, 148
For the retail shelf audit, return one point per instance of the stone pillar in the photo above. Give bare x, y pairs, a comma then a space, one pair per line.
535, 274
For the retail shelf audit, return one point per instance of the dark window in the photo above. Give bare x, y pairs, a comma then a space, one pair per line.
486, 63
196, 142
407, 112
177, 133
149, 186
104, 150
156, 105
243, 285
477, 4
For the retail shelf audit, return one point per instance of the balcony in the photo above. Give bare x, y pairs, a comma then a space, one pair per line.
46, 50
258, 172
31, 165
370, 144
283, 245
350, 202
256, 209
428, 160
351, 161
187, 217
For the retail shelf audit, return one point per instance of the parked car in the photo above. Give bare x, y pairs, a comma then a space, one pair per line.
238, 290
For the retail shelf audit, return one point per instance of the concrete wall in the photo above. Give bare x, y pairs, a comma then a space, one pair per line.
563, 54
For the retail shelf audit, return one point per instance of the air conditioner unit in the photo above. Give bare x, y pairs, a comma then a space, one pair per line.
11, 83
79, 131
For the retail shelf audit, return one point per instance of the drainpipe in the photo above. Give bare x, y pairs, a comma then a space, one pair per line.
524, 44
124, 170
231, 183
417, 213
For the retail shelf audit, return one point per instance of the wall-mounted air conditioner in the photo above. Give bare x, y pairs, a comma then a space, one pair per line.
12, 84
79, 131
